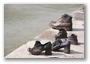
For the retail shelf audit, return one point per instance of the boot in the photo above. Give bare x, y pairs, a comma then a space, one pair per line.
62, 34
73, 39
65, 22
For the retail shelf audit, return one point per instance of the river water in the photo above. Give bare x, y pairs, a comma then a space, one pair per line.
22, 22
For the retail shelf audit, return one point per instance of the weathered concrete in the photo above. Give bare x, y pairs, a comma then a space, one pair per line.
77, 51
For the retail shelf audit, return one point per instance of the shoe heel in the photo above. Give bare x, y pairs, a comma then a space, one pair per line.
48, 52
67, 48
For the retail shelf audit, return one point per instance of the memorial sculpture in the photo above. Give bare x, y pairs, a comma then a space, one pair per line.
38, 48
58, 44
64, 24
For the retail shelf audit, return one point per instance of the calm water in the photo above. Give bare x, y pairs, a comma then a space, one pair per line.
25, 21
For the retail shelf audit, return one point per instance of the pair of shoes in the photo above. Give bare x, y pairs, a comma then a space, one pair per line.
38, 48
58, 44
